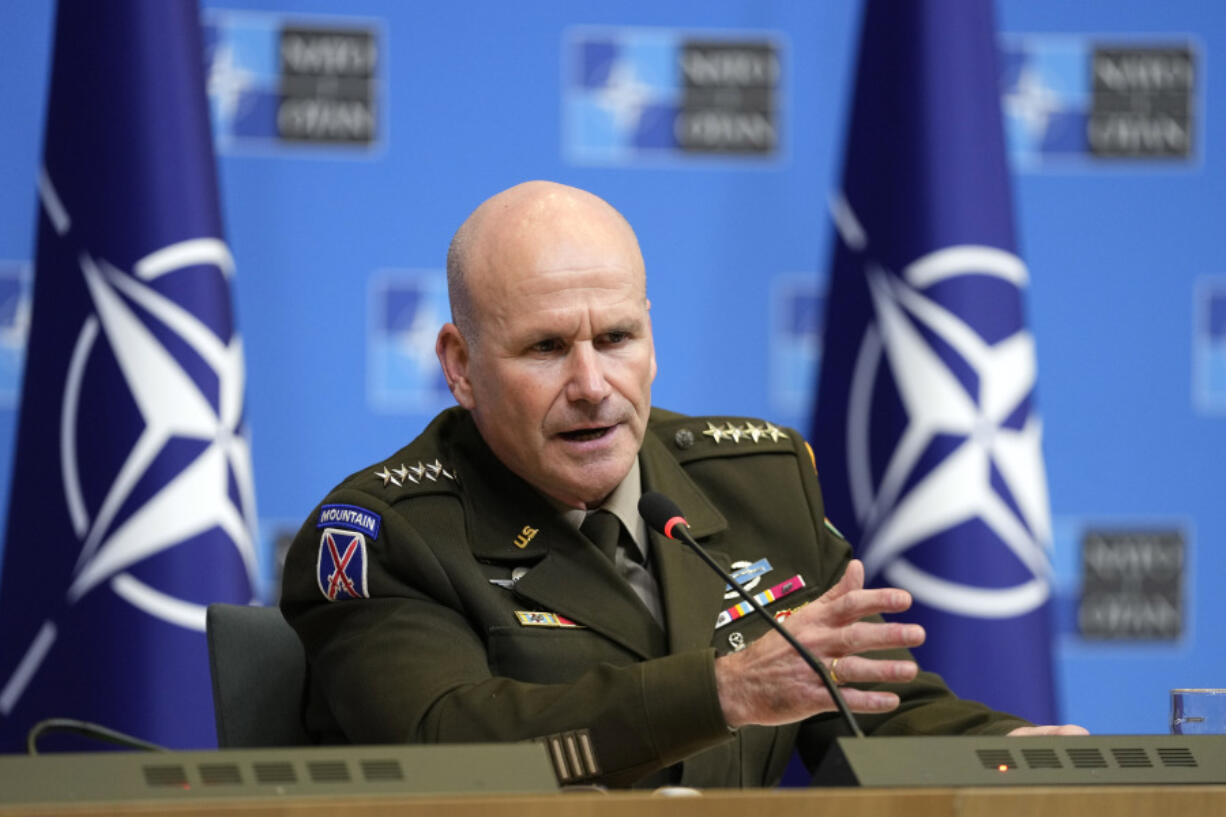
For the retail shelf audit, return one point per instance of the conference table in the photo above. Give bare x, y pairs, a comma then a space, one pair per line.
1101, 776
1056, 801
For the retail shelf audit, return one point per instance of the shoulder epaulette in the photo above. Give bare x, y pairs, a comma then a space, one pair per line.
693, 438
418, 469
402, 476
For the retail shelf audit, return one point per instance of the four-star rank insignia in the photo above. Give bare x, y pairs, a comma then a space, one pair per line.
414, 474
747, 432
340, 567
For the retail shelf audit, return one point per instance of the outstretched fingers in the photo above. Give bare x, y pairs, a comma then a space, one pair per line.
855, 669
867, 636
851, 580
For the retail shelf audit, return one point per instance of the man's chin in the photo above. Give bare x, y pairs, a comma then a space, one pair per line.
588, 485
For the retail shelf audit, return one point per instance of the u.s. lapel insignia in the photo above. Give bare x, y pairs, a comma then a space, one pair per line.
534, 618
340, 566
525, 536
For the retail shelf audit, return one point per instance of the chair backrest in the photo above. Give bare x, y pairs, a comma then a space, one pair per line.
259, 675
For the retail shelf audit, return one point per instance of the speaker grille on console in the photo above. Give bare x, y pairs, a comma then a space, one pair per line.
378, 770
220, 774
1177, 756
1042, 759
165, 776
1132, 758
1087, 758
328, 771
995, 758
274, 773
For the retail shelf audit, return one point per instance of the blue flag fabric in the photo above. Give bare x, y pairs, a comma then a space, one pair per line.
928, 440
132, 503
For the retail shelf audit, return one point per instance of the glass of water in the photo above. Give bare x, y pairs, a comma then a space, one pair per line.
1198, 711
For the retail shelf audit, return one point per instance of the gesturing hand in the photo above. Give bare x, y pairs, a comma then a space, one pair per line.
768, 683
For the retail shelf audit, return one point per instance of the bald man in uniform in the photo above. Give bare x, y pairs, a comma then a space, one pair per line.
492, 580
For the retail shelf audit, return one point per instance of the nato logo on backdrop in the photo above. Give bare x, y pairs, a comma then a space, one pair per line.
276, 82
648, 94
1209, 346
1073, 100
14, 326
406, 309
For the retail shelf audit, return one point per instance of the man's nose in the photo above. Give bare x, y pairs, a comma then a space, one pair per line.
586, 381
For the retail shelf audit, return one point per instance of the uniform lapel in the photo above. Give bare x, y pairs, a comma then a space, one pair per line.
509, 522
577, 581
691, 592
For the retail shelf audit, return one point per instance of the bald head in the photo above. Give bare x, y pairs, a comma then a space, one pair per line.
509, 231
551, 349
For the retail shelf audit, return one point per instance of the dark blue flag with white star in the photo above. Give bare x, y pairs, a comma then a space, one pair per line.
132, 504
927, 434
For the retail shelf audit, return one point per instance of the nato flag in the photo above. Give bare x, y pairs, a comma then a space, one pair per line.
132, 501
928, 438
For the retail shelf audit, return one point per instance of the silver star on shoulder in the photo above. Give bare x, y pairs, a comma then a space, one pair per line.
435, 470
387, 476
753, 432
775, 433
732, 432
418, 471
401, 472
714, 432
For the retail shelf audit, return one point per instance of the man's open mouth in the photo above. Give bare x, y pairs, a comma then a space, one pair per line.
584, 435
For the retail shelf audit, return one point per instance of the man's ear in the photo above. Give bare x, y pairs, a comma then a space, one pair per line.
453, 356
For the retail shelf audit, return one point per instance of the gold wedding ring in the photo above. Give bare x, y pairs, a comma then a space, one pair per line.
833, 676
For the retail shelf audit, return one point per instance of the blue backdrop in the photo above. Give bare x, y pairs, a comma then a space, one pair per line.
354, 137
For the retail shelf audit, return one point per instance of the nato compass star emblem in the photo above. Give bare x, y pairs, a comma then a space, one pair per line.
172, 408
969, 449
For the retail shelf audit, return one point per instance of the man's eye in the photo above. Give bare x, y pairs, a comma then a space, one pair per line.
547, 346
614, 338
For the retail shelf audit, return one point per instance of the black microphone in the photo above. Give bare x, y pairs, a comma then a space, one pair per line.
663, 515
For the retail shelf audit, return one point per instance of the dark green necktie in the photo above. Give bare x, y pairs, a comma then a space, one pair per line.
605, 531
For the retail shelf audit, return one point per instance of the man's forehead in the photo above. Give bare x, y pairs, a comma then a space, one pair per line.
595, 309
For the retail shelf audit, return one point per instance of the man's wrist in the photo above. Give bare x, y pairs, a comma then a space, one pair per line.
730, 691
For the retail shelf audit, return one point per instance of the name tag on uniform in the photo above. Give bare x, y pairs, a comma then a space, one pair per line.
532, 618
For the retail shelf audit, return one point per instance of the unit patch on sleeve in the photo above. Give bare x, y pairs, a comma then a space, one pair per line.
341, 566
351, 517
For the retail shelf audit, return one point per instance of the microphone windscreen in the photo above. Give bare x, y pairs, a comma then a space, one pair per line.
657, 510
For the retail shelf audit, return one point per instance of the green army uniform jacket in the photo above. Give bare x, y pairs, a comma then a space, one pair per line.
468, 610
